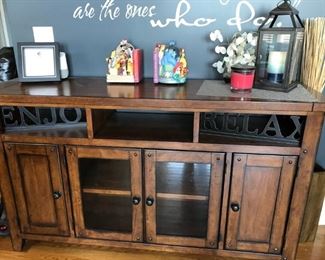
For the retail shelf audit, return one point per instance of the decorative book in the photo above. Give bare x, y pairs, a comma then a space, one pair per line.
125, 64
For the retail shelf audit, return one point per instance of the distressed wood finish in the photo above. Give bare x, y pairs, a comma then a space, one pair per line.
134, 157
225, 201
150, 192
9, 202
314, 207
213, 190
89, 119
260, 190
216, 179
300, 193
181, 199
196, 127
35, 170
92, 92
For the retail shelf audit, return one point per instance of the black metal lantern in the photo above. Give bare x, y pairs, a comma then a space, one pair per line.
279, 51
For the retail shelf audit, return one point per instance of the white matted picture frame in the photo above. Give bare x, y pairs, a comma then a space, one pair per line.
38, 61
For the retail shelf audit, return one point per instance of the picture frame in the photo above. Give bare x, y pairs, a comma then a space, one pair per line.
38, 61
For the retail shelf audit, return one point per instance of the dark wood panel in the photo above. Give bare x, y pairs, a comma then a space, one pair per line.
150, 192
98, 119
225, 201
216, 185
185, 211
104, 209
107, 213
183, 178
36, 174
260, 190
87, 91
148, 126
201, 253
282, 205
310, 142
196, 127
36, 184
182, 218
257, 149
8, 200
105, 174
258, 203
314, 206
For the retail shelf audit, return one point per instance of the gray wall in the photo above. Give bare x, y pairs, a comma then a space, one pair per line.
88, 41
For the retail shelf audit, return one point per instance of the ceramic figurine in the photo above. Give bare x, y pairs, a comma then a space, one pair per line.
124, 64
170, 64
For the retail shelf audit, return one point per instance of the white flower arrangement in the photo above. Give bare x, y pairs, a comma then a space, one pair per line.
241, 50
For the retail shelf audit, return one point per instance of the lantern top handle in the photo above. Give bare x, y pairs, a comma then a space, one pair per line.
283, 8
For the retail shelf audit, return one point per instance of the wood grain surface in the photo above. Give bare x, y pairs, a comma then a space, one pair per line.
53, 251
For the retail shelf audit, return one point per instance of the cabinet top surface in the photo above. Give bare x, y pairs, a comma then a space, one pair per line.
95, 92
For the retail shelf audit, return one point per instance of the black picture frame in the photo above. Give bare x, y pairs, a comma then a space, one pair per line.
38, 61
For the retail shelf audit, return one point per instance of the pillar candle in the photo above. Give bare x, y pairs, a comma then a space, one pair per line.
276, 65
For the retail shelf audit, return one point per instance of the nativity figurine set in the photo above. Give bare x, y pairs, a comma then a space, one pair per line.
124, 65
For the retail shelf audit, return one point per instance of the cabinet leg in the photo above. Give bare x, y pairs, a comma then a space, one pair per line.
9, 203
17, 244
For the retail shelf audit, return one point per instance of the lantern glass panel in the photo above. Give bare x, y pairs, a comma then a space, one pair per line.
294, 73
274, 47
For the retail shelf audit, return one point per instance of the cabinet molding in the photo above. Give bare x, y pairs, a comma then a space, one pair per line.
36, 173
259, 200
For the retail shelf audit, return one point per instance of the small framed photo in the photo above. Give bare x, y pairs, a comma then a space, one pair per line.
38, 61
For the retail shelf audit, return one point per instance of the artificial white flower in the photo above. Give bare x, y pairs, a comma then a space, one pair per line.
241, 50
249, 37
247, 56
216, 35
220, 49
220, 68
223, 50
213, 36
239, 40
230, 51
254, 41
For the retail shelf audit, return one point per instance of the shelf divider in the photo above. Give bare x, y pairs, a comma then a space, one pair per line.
196, 127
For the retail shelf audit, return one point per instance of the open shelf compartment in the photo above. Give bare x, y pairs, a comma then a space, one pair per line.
250, 129
142, 125
43, 122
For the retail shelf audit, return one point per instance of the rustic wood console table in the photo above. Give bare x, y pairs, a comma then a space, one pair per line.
156, 167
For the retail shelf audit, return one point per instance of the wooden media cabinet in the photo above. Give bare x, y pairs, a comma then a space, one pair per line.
156, 167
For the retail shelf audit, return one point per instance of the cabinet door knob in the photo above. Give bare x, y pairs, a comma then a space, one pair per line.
136, 200
150, 201
235, 207
57, 195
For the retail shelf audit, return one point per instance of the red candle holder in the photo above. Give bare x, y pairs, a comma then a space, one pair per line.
242, 78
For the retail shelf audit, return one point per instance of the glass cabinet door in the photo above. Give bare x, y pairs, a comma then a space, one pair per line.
183, 191
106, 192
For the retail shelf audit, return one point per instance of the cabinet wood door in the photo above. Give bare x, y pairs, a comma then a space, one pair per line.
37, 182
106, 192
259, 199
183, 193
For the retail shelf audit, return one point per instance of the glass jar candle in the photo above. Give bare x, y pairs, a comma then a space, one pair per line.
242, 77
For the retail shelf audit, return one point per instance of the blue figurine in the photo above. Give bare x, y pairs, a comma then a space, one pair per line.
173, 66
